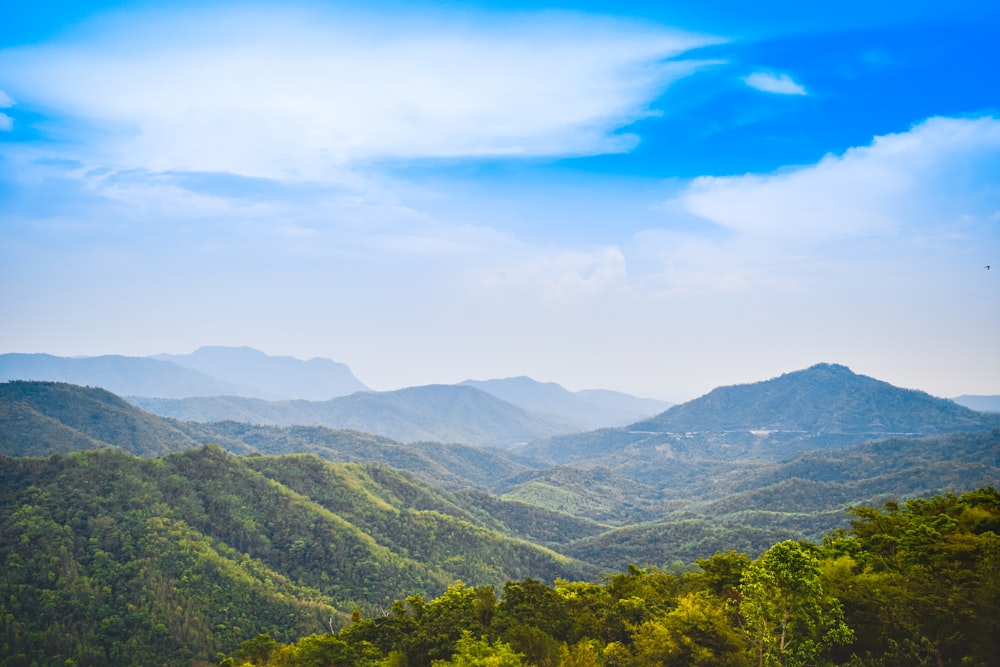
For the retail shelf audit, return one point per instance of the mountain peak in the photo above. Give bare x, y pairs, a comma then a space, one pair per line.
822, 398
828, 367
823, 406
272, 376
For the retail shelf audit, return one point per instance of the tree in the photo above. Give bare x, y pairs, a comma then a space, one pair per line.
786, 615
722, 573
695, 634
472, 652
925, 585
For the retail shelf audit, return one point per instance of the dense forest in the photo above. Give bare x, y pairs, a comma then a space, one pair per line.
110, 558
912, 584
204, 556
135, 543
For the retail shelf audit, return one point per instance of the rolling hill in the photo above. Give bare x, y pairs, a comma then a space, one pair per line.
43, 418
170, 561
446, 413
801, 499
629, 478
187, 550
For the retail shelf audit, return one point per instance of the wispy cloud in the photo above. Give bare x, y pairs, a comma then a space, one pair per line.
769, 82
293, 96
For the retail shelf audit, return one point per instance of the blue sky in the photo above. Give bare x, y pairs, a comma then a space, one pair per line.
657, 198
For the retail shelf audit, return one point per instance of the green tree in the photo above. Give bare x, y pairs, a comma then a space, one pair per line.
472, 652
786, 615
257, 650
722, 573
925, 583
695, 634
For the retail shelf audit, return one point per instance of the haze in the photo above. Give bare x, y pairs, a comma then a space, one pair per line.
614, 195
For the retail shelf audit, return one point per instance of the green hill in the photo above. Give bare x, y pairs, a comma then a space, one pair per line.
823, 399
41, 418
133, 559
568, 508
826, 406
443, 464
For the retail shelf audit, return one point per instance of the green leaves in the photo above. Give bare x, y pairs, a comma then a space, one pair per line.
786, 615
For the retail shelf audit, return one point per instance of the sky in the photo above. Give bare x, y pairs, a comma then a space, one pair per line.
656, 198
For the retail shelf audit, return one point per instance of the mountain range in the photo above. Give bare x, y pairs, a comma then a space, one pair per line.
117, 523
692, 453
209, 371
219, 383
125, 376
276, 377
446, 413
587, 409
824, 406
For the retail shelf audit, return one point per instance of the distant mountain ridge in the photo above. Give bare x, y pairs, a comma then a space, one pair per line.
694, 492
225, 376
45, 418
824, 406
209, 371
978, 402
592, 408
276, 377
446, 413
124, 376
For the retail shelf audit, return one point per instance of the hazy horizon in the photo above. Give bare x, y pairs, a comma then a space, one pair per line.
649, 199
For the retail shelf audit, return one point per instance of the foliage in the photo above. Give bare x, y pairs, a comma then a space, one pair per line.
881, 594
786, 615
112, 559
43, 418
470, 652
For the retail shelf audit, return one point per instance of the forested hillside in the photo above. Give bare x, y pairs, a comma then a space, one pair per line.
910, 584
665, 509
111, 558
42, 418
106, 554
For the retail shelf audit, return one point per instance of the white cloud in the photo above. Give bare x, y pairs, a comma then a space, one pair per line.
769, 82
932, 175
6, 100
6, 123
294, 96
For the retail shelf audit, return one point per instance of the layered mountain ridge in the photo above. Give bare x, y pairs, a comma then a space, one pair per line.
824, 406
